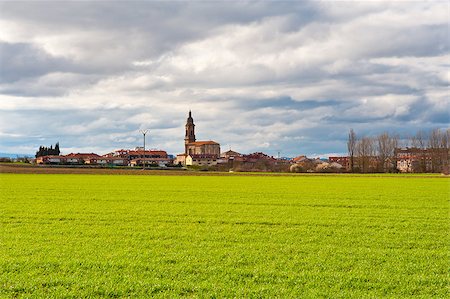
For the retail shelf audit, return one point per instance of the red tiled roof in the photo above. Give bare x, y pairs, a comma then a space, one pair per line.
258, 155
231, 153
203, 142
299, 158
136, 152
108, 158
82, 155
151, 159
147, 152
204, 156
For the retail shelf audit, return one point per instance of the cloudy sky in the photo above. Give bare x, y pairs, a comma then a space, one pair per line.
258, 76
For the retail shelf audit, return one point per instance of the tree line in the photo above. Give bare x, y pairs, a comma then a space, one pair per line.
48, 151
380, 153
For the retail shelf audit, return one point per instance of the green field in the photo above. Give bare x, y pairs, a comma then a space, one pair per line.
230, 236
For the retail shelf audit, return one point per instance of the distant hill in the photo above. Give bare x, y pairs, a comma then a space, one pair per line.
12, 155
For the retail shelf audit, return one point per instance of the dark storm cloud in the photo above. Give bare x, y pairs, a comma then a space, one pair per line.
52, 84
23, 60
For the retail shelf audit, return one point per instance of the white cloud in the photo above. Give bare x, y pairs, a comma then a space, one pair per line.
293, 76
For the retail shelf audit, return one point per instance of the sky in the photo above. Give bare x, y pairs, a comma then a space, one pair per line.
290, 76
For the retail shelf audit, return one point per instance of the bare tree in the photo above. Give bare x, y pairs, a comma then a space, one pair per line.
351, 146
385, 148
446, 139
437, 143
430, 151
445, 142
395, 143
419, 142
366, 152
382, 150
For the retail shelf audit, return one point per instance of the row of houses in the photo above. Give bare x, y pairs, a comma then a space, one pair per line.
122, 157
227, 157
139, 157
404, 160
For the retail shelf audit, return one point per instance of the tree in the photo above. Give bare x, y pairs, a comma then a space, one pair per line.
418, 141
438, 147
351, 146
382, 150
385, 147
445, 141
395, 143
57, 151
46, 151
365, 152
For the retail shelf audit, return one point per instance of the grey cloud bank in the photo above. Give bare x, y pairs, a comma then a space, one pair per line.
258, 76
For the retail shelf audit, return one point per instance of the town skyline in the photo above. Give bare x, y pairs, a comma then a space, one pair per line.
265, 77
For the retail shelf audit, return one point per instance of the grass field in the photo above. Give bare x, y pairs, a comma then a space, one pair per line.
65, 235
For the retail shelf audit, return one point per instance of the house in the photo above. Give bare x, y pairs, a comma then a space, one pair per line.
51, 159
116, 161
257, 162
160, 162
257, 157
123, 157
299, 159
422, 160
201, 160
140, 153
80, 158
96, 161
343, 161
229, 157
181, 159
137, 153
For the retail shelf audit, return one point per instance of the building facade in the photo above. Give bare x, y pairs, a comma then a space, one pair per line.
197, 152
343, 161
422, 160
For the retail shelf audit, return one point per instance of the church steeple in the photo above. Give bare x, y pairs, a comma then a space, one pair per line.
190, 131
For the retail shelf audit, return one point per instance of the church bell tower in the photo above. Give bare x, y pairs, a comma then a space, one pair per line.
190, 132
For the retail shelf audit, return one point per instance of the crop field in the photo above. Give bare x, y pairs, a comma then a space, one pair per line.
72, 235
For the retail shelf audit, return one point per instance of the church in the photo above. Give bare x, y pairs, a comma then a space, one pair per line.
202, 153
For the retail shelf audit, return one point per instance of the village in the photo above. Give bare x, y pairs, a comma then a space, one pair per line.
206, 155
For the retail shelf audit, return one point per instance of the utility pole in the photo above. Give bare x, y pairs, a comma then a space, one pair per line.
143, 132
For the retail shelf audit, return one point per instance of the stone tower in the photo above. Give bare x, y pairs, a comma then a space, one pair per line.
190, 132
